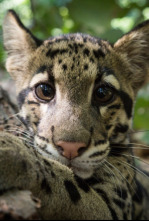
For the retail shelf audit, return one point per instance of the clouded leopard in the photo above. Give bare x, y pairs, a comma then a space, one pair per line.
76, 96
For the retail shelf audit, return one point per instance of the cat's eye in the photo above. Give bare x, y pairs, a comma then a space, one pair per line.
44, 92
104, 94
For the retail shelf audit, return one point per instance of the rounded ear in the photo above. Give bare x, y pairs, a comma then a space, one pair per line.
134, 49
18, 42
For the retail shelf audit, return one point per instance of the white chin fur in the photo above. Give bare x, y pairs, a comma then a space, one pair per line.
82, 173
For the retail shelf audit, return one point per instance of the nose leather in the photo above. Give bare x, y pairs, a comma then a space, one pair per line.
70, 150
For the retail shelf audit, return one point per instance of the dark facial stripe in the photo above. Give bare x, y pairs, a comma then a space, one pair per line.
116, 106
100, 142
128, 103
97, 154
33, 102
22, 96
72, 191
121, 128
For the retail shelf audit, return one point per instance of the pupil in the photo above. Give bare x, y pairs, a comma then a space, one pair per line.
47, 91
102, 92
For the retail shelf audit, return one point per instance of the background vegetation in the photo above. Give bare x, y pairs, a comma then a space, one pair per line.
108, 19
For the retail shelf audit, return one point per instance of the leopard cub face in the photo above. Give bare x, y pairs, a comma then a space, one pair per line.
76, 93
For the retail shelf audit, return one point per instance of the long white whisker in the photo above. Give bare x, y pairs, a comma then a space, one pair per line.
137, 158
121, 175
122, 147
114, 181
20, 132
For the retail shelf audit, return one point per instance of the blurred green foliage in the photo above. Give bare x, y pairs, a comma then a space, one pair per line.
108, 19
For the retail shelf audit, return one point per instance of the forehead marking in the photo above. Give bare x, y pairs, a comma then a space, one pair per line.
53, 53
42, 69
39, 78
111, 79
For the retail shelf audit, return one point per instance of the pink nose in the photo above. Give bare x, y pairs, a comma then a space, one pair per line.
71, 150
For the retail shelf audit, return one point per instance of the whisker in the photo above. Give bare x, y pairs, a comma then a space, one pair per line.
121, 175
139, 131
129, 174
9, 118
140, 148
136, 169
28, 141
19, 131
114, 176
137, 158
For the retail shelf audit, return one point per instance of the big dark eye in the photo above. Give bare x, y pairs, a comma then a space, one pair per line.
104, 94
44, 92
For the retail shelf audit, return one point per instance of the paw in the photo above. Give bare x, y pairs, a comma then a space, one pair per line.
16, 163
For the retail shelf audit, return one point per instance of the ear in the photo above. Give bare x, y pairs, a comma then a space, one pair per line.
134, 49
18, 42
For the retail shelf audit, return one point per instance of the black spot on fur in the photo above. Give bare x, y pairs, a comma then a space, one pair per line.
126, 216
24, 165
93, 181
72, 191
82, 184
76, 48
72, 67
108, 127
99, 53
36, 124
86, 52
86, 67
47, 163
53, 174
64, 67
42, 69
119, 203
54, 53
92, 60
122, 193
45, 185
107, 201
138, 197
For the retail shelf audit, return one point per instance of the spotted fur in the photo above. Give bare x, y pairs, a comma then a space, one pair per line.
75, 65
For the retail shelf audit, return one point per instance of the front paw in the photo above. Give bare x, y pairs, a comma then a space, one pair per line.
16, 163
